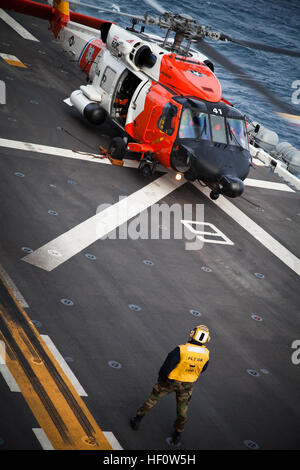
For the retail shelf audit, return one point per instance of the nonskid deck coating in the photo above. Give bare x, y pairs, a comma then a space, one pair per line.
229, 404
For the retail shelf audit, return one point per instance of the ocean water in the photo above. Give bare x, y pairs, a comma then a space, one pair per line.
274, 22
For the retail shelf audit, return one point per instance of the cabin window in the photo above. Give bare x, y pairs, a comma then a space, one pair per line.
108, 79
218, 129
167, 121
237, 134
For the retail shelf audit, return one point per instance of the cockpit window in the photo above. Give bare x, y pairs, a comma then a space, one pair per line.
187, 129
237, 134
218, 129
166, 122
194, 125
203, 125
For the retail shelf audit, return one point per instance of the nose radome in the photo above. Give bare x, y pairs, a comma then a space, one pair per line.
231, 186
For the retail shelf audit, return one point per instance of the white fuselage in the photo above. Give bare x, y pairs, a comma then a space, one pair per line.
108, 64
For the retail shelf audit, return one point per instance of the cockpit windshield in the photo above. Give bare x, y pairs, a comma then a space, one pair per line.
219, 129
194, 125
237, 134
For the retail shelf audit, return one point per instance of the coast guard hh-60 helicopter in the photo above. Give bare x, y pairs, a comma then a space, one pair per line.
161, 92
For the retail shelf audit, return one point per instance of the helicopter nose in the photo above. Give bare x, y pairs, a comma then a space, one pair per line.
231, 186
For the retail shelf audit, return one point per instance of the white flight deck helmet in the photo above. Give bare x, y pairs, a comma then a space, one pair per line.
200, 334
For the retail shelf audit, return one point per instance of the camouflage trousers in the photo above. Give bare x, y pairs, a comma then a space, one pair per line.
162, 388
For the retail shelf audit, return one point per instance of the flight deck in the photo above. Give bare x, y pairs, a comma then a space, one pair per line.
108, 309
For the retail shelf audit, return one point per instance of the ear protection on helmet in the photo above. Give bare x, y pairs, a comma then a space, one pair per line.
201, 334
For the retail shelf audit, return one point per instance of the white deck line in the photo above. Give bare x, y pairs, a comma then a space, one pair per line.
16, 26
78, 387
43, 439
96, 158
268, 185
61, 152
112, 440
5, 372
9, 378
81, 236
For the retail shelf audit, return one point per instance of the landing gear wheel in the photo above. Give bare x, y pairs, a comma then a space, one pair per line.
147, 165
146, 170
214, 196
117, 148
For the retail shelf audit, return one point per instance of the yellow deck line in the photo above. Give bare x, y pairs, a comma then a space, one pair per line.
16, 339
16, 63
13, 60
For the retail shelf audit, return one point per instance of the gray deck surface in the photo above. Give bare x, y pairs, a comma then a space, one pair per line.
229, 405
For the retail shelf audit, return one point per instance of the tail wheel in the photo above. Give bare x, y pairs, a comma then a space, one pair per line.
117, 148
214, 196
146, 171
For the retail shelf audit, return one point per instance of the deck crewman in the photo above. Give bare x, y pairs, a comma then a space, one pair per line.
178, 374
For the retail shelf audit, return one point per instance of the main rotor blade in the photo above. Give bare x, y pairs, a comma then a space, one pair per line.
259, 46
127, 15
154, 4
104, 10
82, 4
213, 54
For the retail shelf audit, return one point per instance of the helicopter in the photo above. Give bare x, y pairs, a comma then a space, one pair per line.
161, 92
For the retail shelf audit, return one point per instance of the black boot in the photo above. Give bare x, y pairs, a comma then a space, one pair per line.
175, 438
135, 422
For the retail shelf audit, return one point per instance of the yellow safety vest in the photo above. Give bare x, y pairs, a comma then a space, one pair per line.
192, 360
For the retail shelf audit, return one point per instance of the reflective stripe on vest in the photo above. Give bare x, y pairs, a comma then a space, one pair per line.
192, 360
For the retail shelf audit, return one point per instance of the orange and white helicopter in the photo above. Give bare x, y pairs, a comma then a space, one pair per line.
161, 92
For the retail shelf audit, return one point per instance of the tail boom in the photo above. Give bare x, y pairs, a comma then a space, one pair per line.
47, 12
